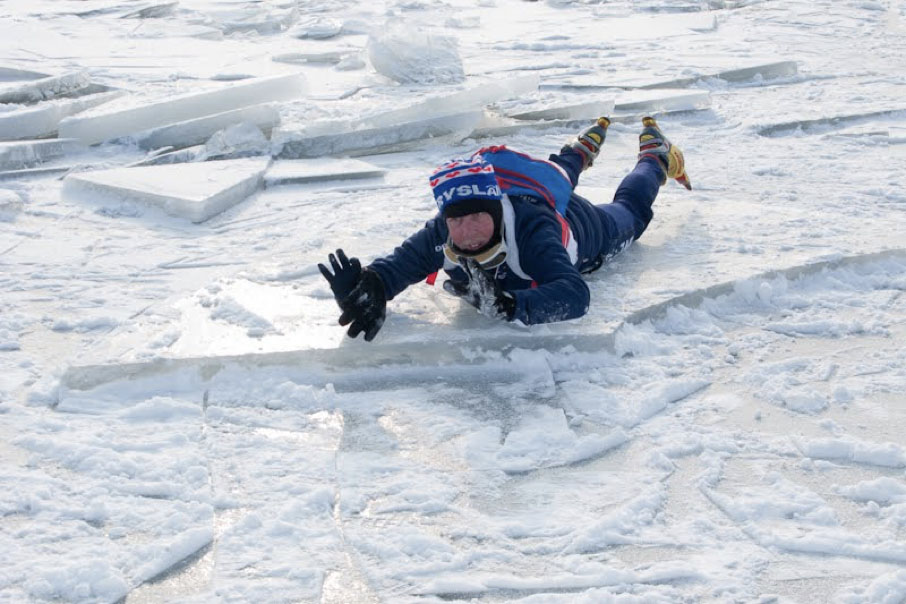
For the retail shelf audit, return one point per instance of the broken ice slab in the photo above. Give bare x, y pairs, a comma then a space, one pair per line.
197, 131
43, 120
317, 29
163, 29
166, 157
260, 19
495, 126
301, 58
897, 135
506, 127
194, 191
296, 145
314, 170
101, 126
770, 71
29, 172
589, 110
33, 91
84, 9
13, 74
823, 125
652, 27
351, 368
28, 154
766, 71
662, 100
153, 11
457, 102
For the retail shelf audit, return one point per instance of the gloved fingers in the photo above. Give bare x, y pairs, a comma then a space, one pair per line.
356, 328
347, 316
348, 264
373, 329
327, 274
334, 264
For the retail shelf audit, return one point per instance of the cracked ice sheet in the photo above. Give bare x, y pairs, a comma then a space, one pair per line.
131, 494
758, 204
446, 483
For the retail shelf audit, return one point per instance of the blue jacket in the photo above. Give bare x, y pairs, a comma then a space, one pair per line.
543, 275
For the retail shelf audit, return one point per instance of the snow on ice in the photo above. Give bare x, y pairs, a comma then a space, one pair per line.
181, 419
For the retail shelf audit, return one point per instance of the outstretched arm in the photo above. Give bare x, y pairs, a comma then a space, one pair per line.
362, 293
416, 258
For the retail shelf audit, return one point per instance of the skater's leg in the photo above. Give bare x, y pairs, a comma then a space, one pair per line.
578, 155
627, 216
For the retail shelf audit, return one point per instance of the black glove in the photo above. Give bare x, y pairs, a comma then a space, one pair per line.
346, 274
359, 294
483, 292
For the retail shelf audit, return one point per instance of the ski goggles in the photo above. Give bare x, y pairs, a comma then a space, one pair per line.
487, 260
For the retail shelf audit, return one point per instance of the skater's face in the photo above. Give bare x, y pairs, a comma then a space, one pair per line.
472, 231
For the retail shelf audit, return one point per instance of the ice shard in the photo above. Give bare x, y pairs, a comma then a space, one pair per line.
152, 11
31, 172
30, 153
33, 91
321, 169
14, 74
588, 110
197, 131
304, 144
43, 120
475, 97
662, 100
766, 71
194, 191
101, 126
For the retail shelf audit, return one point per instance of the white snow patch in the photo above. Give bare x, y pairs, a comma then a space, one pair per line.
11, 205
161, 409
61, 324
777, 498
229, 310
157, 558
544, 439
888, 588
655, 399
889, 455
805, 401
93, 578
884, 490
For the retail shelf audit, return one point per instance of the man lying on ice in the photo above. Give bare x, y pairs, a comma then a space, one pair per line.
511, 234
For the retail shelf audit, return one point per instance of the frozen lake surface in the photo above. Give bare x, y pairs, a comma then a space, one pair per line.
182, 420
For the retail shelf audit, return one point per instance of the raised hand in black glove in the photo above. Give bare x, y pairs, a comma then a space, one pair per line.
483, 292
359, 294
